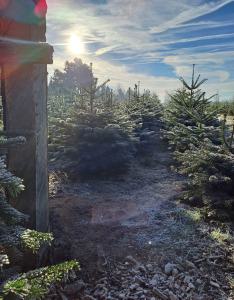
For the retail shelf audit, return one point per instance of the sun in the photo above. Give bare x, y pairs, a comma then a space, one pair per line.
76, 45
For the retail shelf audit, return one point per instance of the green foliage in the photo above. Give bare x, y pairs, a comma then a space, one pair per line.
181, 136
203, 146
14, 239
9, 214
33, 240
224, 107
220, 236
228, 134
8, 181
94, 143
91, 133
75, 76
189, 116
143, 108
209, 166
36, 284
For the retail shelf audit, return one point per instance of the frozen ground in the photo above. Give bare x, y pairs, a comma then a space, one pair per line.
101, 222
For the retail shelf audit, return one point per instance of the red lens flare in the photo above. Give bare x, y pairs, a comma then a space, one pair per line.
3, 4
40, 8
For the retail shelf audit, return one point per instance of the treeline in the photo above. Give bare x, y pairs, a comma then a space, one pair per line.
224, 107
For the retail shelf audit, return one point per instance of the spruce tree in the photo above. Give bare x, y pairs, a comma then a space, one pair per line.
203, 145
94, 137
189, 117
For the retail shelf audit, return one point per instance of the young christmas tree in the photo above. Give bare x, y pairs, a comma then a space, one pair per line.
145, 109
95, 137
189, 117
203, 146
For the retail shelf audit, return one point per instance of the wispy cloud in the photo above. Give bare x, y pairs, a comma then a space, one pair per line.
190, 13
167, 35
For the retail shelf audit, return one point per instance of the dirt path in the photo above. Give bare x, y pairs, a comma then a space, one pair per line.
101, 222
116, 215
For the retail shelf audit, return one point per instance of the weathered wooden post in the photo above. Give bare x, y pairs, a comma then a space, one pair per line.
24, 56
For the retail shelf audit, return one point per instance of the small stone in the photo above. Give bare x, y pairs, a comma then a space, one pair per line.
190, 264
153, 282
191, 286
149, 267
175, 272
168, 268
133, 287
215, 284
187, 279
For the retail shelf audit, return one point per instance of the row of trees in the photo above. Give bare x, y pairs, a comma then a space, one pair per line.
91, 131
225, 107
203, 146
94, 131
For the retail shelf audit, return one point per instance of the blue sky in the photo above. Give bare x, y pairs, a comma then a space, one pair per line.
151, 41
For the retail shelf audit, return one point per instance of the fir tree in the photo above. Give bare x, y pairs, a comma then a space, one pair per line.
203, 148
189, 117
144, 109
95, 136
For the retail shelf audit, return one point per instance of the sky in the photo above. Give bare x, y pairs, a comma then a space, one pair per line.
151, 41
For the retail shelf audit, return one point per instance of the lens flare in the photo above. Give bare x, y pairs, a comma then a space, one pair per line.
41, 9
3, 4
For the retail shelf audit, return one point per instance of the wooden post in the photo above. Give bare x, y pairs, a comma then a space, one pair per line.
25, 92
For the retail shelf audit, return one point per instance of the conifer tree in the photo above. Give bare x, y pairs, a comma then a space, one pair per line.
202, 152
94, 138
144, 108
188, 115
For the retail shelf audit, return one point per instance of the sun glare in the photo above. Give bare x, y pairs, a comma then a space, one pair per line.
76, 45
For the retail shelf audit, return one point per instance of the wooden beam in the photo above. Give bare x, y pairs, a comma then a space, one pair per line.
25, 52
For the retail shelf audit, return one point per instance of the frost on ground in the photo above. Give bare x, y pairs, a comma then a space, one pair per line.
134, 241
